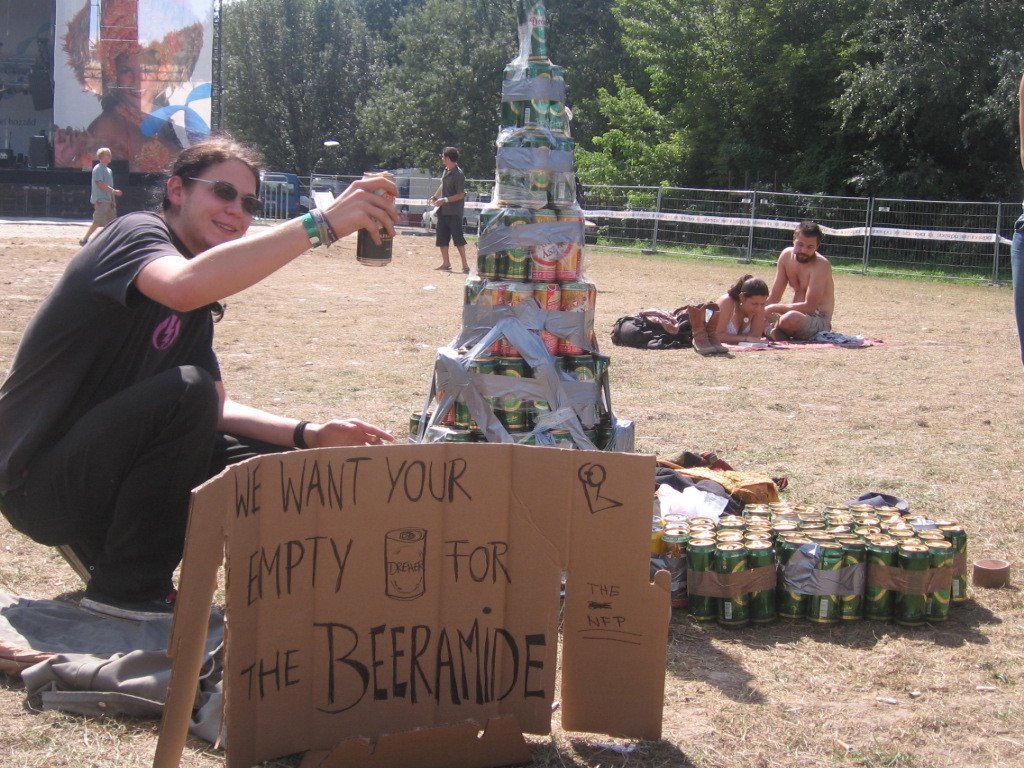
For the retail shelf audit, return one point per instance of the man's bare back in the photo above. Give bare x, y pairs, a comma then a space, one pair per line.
809, 274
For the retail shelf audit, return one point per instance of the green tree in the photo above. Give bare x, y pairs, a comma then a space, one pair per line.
639, 147
584, 37
445, 88
748, 83
933, 94
295, 73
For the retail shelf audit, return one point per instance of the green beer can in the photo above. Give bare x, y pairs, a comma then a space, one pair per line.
700, 555
851, 607
879, 601
533, 14
910, 609
762, 603
459, 436
731, 557
937, 604
826, 609
957, 536
789, 604
514, 414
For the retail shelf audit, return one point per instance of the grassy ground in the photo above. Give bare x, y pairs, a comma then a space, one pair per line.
932, 416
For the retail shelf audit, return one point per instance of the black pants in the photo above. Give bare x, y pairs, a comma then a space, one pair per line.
117, 484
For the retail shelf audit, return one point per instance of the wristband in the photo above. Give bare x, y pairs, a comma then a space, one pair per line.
311, 230
298, 438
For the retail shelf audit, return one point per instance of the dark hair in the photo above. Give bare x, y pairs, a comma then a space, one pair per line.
809, 229
748, 285
451, 153
193, 160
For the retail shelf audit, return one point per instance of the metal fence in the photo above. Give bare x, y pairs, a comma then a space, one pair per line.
943, 239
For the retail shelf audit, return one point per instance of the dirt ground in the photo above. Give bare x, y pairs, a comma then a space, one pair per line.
933, 416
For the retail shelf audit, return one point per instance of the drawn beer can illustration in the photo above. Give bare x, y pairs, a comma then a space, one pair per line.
405, 562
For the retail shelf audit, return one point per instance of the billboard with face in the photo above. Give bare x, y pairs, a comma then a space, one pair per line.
131, 75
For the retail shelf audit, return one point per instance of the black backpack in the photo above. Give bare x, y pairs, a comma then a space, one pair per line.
637, 331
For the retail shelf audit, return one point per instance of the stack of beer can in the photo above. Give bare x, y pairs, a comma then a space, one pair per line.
530, 259
909, 569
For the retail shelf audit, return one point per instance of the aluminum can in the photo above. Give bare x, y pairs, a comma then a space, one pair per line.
851, 607
674, 542
700, 557
789, 604
557, 118
512, 113
459, 435
910, 608
825, 609
879, 601
937, 603
367, 251
657, 529
580, 367
414, 424
957, 536
487, 264
544, 256
549, 297
731, 557
576, 297
762, 603
570, 260
513, 414
533, 14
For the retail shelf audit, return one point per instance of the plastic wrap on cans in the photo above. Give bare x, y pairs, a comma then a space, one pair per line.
508, 228
486, 293
549, 297
514, 295
577, 297
479, 318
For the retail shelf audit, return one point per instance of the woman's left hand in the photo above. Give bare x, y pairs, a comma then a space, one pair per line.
346, 432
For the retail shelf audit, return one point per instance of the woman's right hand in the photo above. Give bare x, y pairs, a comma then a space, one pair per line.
368, 203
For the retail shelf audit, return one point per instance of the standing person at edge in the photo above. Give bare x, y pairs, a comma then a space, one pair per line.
114, 408
809, 274
451, 196
102, 194
1017, 248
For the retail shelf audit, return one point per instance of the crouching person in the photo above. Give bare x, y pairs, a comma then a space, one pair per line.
114, 408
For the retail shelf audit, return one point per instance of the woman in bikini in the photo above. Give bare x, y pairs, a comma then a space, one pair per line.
741, 315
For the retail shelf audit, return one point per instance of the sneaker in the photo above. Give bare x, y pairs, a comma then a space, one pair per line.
138, 610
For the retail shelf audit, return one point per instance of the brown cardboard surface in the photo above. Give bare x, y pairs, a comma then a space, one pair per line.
382, 590
449, 746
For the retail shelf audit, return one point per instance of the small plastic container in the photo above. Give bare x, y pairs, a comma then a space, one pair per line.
991, 573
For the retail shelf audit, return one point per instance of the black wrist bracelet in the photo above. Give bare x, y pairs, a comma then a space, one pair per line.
298, 438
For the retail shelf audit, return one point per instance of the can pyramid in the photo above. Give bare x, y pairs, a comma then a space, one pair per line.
526, 366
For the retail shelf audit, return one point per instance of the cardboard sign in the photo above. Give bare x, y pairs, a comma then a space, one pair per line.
374, 591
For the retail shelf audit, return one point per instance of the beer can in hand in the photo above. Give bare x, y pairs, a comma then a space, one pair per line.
367, 251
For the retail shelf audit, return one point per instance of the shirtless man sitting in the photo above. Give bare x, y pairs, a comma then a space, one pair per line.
810, 276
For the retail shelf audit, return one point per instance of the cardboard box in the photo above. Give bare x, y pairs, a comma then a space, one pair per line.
376, 591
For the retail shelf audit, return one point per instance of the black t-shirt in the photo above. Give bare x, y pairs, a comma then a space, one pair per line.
453, 182
94, 336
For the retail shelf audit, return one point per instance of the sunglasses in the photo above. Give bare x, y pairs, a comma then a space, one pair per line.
227, 192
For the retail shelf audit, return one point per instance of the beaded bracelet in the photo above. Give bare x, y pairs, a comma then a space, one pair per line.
327, 236
312, 231
330, 229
